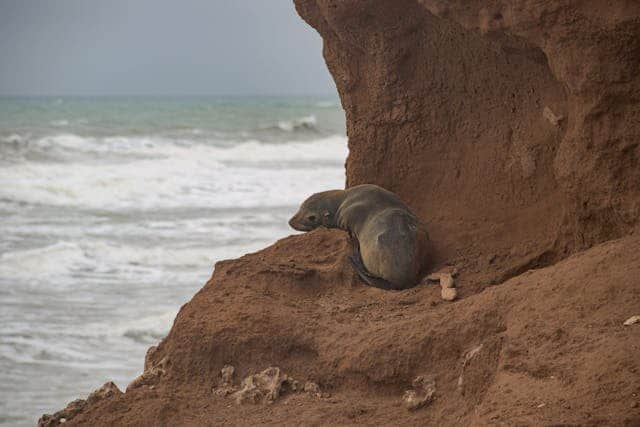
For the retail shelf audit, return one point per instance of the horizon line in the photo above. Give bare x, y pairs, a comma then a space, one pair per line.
185, 95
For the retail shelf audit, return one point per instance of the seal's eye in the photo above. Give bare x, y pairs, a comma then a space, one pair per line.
312, 218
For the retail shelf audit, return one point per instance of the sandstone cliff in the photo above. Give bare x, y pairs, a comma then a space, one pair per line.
513, 129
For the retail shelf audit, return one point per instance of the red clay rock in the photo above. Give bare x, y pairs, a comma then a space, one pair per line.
152, 373
445, 106
107, 391
554, 332
444, 103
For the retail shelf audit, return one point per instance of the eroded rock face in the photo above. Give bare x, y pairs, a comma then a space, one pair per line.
226, 386
424, 389
543, 336
512, 127
107, 391
153, 372
265, 387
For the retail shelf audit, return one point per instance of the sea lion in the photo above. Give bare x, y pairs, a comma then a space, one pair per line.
389, 241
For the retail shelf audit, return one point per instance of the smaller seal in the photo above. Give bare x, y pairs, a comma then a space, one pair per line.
389, 242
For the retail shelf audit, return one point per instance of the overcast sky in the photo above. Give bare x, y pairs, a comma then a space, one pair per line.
231, 47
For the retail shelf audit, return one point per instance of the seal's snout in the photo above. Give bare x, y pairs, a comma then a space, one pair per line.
294, 223
299, 224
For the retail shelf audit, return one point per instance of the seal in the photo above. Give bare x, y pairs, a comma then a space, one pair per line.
389, 242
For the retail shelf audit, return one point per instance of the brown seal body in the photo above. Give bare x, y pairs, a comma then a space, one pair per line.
390, 242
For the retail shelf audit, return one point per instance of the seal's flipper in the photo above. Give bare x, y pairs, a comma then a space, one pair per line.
358, 266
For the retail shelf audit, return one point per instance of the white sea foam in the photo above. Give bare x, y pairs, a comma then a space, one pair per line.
116, 145
174, 175
14, 138
149, 328
332, 148
53, 260
53, 265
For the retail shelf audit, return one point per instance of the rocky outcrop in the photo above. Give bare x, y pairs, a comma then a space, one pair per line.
512, 126
512, 129
553, 337
108, 391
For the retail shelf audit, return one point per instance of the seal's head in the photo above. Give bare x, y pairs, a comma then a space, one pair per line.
317, 211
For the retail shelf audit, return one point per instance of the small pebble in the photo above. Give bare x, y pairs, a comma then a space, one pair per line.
446, 281
448, 294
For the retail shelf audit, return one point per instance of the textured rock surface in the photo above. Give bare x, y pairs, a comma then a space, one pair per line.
108, 391
424, 389
445, 104
553, 336
512, 129
265, 387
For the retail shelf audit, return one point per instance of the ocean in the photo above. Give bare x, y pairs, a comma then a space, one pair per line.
113, 211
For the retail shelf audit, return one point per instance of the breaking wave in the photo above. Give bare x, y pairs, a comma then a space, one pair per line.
147, 172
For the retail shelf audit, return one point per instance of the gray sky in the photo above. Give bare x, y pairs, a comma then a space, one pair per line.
84, 47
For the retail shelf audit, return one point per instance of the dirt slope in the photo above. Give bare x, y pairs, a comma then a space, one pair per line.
513, 129
554, 348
